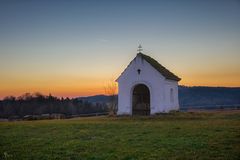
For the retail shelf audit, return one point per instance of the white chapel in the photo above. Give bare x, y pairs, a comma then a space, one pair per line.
145, 87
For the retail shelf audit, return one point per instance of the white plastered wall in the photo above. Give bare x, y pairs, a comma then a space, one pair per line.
159, 88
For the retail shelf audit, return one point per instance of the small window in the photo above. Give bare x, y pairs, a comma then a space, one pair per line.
139, 71
171, 96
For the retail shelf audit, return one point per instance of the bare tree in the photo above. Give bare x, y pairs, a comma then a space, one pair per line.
111, 90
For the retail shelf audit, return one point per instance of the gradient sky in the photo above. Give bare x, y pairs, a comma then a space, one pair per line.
72, 48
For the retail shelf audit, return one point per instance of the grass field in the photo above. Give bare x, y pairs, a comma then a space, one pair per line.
200, 135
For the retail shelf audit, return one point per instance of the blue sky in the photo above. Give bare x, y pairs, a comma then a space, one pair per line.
74, 42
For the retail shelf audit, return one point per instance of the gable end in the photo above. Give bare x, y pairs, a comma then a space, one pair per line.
161, 69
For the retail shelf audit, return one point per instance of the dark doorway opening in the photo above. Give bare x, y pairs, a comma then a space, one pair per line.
141, 100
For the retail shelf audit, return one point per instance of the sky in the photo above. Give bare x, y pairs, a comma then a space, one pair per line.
73, 48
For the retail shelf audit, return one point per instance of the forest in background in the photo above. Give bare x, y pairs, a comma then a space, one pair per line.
38, 104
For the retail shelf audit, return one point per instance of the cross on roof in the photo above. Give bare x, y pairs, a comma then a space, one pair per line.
140, 48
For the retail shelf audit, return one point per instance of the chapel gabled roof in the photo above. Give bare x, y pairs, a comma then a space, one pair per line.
161, 69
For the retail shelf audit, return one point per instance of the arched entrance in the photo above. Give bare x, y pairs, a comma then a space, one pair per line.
141, 100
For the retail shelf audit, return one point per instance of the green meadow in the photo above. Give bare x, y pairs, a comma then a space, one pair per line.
188, 135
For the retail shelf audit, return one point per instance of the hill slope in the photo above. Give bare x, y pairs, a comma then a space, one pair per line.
170, 136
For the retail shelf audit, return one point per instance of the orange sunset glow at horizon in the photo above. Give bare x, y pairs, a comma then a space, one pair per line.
74, 86
71, 49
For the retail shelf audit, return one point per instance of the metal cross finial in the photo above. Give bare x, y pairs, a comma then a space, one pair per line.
140, 48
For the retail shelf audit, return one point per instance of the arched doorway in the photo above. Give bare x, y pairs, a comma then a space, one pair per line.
141, 100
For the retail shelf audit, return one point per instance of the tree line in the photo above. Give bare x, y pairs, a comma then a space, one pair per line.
39, 104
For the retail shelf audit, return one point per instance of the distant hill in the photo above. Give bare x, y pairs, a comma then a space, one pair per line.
208, 96
96, 99
194, 96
